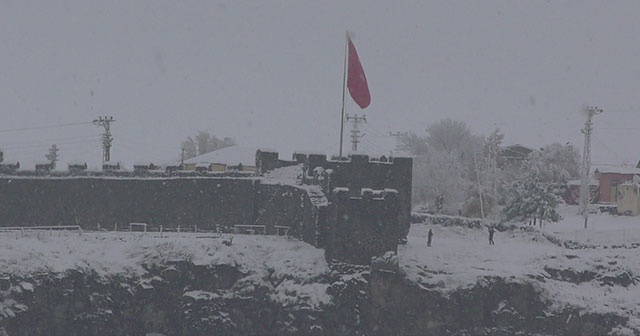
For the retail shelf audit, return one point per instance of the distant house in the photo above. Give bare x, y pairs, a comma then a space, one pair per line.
202, 167
512, 157
513, 154
43, 168
77, 167
9, 168
144, 167
233, 158
108, 166
610, 178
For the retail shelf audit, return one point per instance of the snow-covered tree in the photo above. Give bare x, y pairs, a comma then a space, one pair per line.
531, 198
444, 164
492, 145
440, 180
453, 136
556, 163
483, 197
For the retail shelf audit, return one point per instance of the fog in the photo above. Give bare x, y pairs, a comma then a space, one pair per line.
269, 74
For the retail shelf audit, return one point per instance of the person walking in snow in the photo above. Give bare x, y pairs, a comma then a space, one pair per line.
491, 231
429, 236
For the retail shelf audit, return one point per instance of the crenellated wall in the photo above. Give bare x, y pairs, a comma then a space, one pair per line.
367, 212
355, 173
369, 208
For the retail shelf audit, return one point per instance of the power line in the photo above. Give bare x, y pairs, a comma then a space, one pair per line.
610, 149
44, 140
619, 128
48, 141
42, 127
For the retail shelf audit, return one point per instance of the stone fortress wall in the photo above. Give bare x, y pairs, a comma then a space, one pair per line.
366, 201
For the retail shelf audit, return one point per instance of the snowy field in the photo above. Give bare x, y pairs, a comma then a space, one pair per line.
602, 229
459, 256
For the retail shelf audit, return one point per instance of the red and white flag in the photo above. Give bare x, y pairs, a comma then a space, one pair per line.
356, 80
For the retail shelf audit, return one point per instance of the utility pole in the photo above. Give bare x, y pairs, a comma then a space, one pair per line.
475, 163
355, 132
585, 190
397, 135
107, 139
52, 156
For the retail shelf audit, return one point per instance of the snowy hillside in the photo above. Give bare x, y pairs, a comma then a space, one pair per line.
599, 274
126, 253
593, 270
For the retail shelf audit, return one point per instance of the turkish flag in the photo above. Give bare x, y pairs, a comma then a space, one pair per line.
356, 80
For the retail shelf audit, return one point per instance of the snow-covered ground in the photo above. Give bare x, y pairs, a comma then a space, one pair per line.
261, 257
460, 256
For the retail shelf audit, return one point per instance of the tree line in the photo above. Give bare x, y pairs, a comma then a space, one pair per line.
203, 143
459, 173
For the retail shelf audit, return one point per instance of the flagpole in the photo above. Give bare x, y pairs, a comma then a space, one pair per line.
344, 89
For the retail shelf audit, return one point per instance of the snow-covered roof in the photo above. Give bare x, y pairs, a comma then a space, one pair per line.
228, 155
516, 149
618, 170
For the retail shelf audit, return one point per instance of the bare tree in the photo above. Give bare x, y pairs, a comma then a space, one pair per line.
189, 148
204, 143
412, 144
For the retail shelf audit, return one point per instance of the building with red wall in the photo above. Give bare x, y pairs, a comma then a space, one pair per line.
610, 178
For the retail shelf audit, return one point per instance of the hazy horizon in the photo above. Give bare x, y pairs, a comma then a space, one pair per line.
269, 74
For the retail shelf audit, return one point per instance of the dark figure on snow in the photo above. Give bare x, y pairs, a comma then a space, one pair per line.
429, 236
491, 231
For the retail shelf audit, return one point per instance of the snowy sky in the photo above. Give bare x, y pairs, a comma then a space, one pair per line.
269, 73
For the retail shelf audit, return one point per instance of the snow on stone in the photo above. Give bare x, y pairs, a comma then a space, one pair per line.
124, 253
290, 175
202, 295
459, 258
231, 155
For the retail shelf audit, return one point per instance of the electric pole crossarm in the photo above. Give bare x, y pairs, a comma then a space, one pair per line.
355, 132
107, 139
